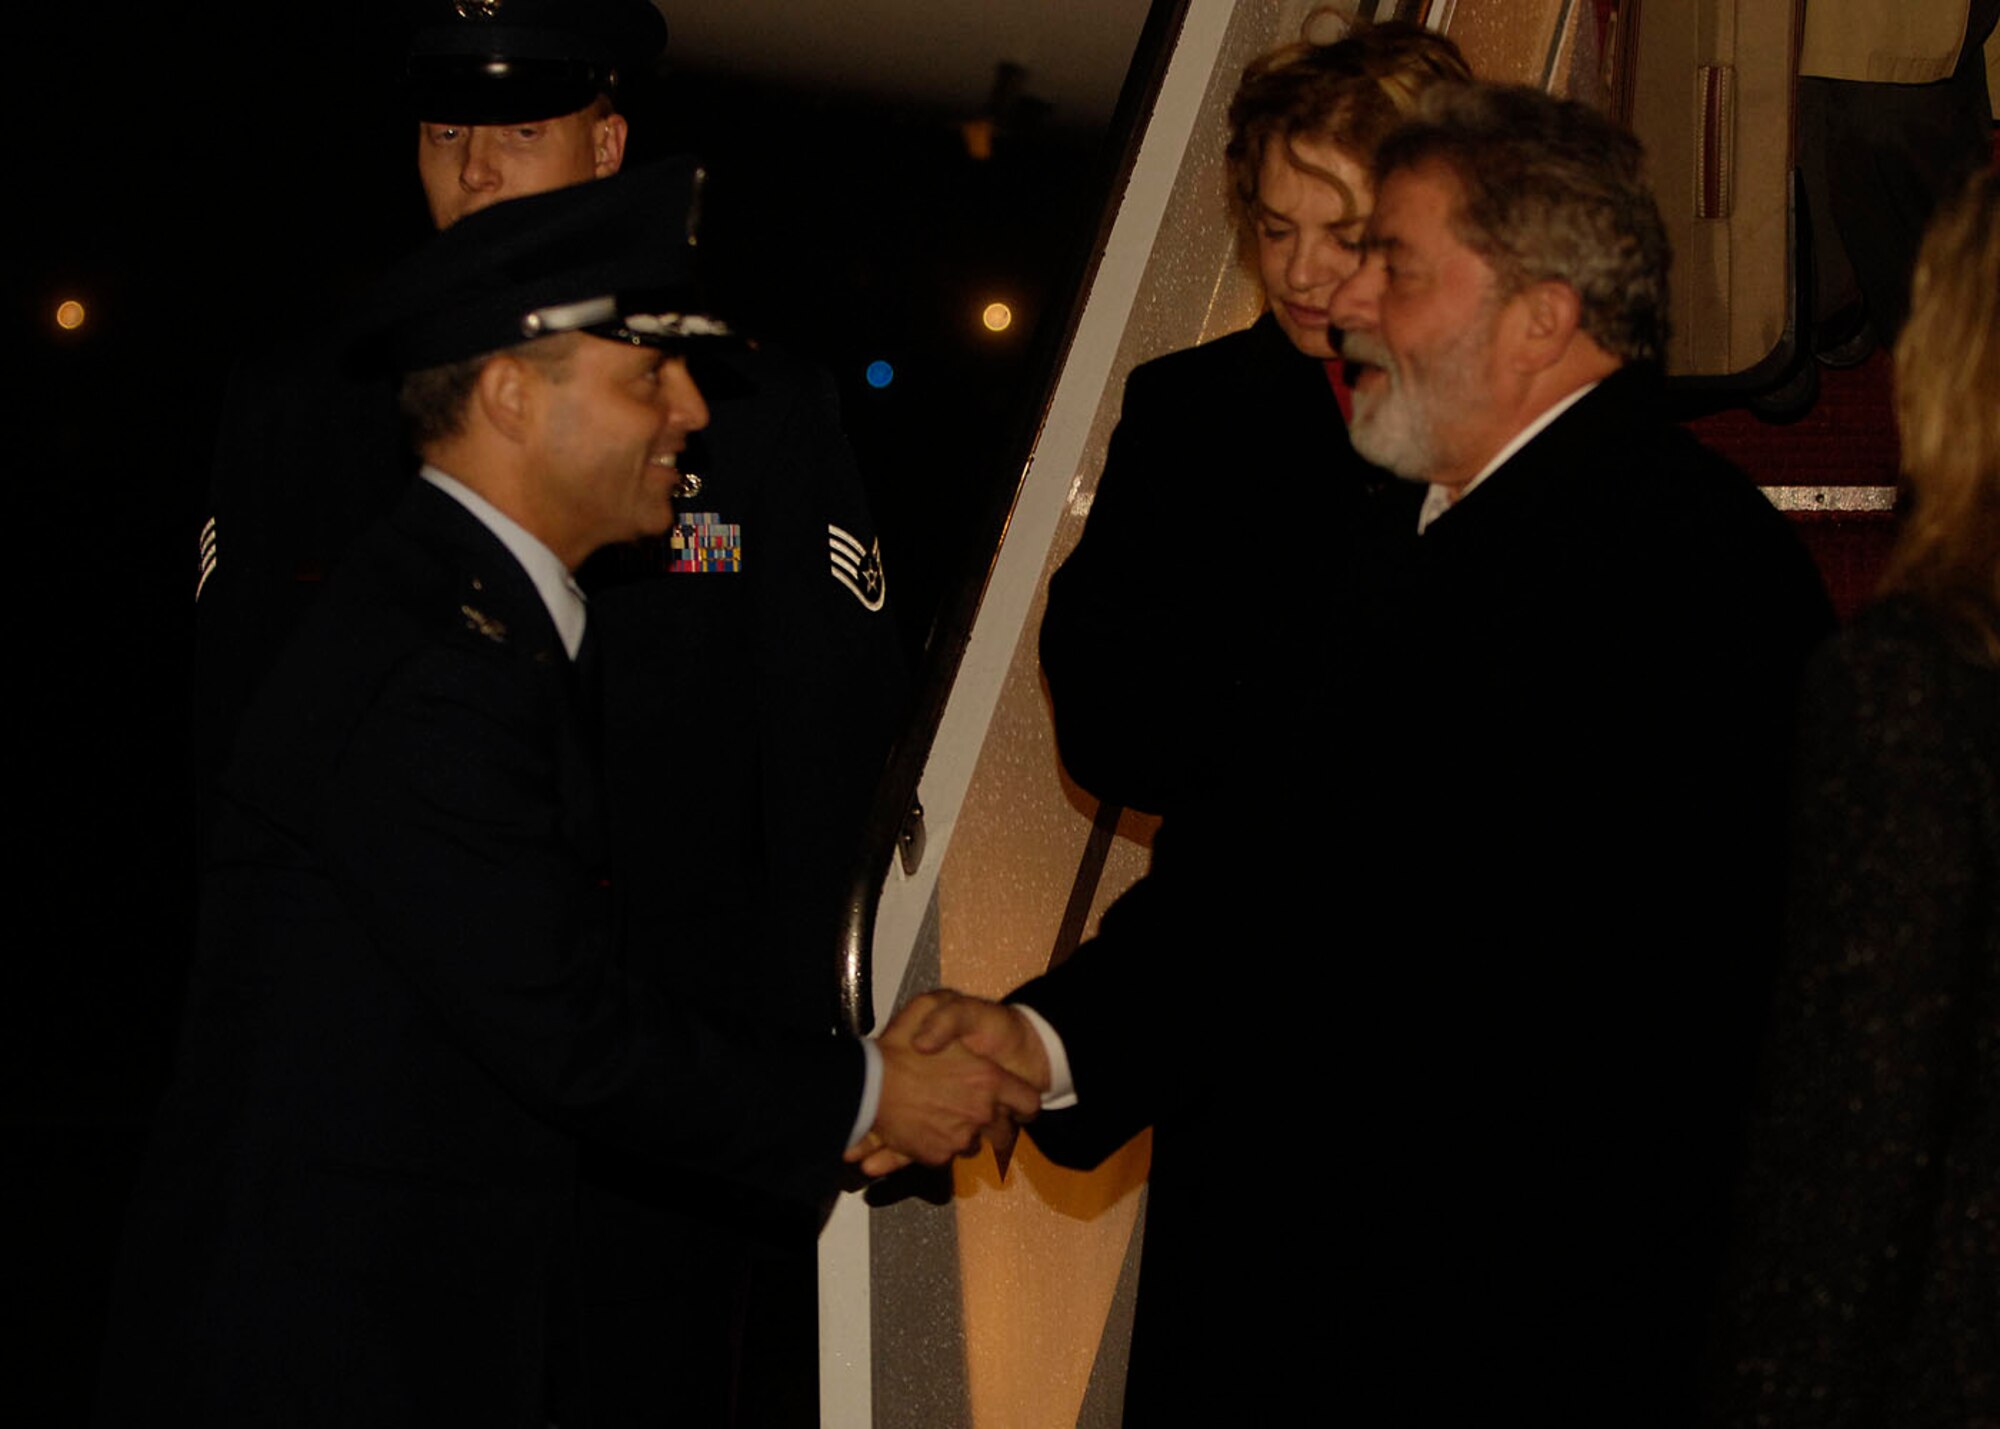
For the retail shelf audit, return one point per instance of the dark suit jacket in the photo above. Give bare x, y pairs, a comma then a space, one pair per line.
1591, 665
1866, 1279
1494, 1020
407, 1015
1202, 576
747, 714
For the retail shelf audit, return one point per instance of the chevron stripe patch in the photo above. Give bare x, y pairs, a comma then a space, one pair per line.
858, 567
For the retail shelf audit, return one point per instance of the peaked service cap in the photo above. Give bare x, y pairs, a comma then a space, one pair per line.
612, 257
512, 61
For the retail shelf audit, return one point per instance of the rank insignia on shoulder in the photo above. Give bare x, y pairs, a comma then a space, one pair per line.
479, 622
702, 542
858, 567
204, 557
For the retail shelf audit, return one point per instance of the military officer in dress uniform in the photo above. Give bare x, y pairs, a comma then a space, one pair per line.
409, 1014
753, 679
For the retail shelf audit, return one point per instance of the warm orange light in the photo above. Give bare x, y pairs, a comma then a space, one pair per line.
69, 314
998, 317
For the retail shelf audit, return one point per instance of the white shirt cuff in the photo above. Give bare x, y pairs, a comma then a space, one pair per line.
1062, 1088
871, 1092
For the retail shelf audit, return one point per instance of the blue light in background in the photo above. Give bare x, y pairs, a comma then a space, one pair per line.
880, 373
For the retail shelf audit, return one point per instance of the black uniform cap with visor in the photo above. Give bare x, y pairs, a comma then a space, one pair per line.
614, 258
517, 61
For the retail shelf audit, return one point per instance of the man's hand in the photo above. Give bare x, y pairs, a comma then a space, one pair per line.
991, 1029
938, 1100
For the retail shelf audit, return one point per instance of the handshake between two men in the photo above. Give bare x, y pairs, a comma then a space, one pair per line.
955, 1070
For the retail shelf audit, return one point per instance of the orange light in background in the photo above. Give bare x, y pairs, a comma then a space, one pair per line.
69, 314
978, 136
998, 317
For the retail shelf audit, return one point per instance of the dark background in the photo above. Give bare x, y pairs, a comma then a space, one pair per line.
206, 179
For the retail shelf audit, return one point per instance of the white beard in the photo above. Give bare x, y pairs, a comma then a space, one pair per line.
1405, 425
1389, 430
